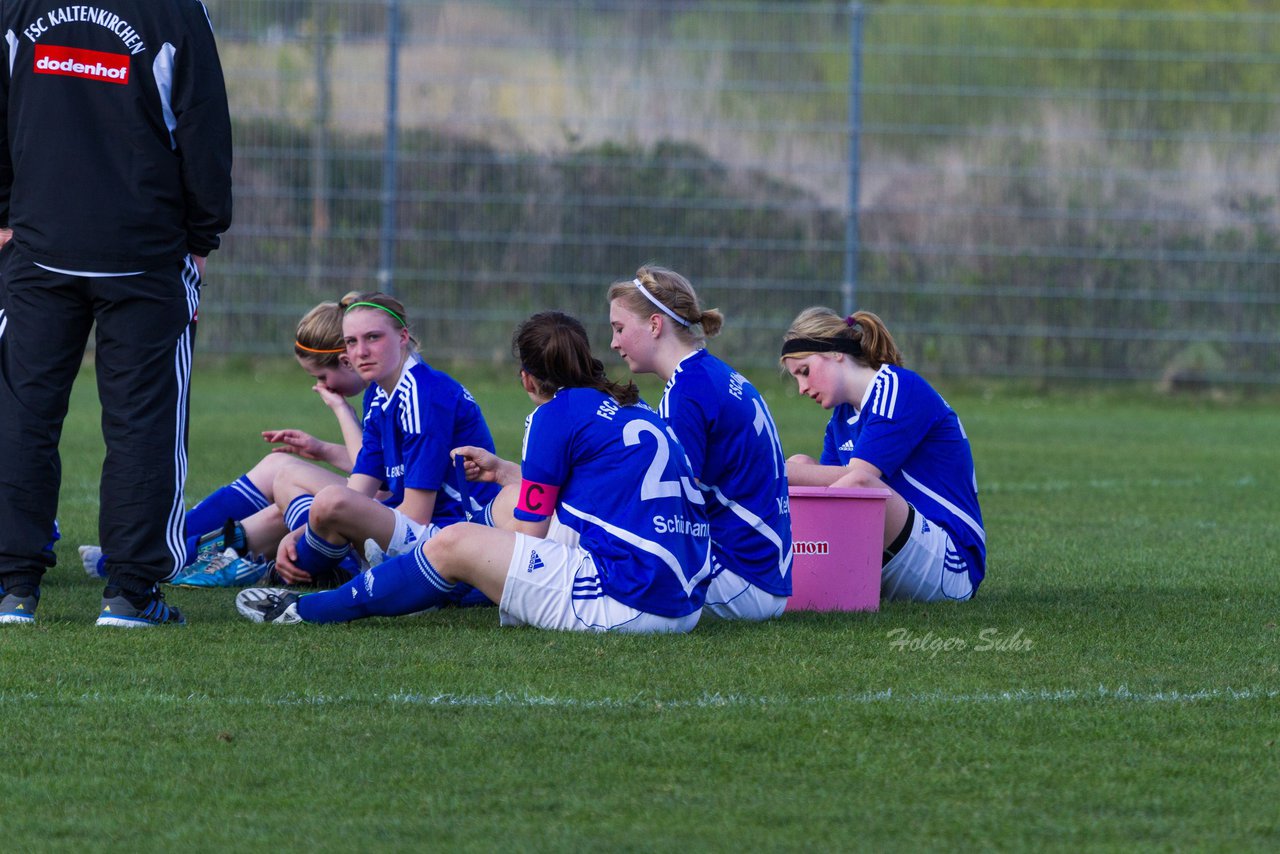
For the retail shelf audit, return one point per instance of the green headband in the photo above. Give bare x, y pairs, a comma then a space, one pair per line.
375, 305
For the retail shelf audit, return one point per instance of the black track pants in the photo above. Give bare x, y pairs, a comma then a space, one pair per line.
143, 344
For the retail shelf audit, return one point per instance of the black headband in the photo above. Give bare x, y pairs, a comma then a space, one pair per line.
848, 346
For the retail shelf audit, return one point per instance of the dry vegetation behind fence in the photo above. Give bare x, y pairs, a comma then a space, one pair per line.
1057, 194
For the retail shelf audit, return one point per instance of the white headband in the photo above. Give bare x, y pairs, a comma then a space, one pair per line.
668, 312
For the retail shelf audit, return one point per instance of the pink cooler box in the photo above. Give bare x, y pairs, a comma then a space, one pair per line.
838, 537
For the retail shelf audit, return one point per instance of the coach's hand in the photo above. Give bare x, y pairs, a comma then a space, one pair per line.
287, 556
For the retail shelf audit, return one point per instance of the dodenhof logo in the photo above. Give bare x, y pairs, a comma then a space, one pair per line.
77, 62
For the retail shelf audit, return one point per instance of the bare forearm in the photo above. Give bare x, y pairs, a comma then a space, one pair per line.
804, 472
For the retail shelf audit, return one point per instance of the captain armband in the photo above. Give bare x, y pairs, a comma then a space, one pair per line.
537, 500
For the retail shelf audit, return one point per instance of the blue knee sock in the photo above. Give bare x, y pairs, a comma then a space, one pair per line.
403, 585
317, 556
237, 500
298, 513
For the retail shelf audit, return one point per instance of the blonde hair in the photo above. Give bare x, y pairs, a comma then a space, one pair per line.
861, 331
319, 336
672, 291
380, 302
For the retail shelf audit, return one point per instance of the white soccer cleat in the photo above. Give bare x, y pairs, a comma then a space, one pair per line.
373, 554
268, 605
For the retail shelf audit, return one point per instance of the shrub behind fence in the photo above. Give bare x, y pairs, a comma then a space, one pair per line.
1046, 194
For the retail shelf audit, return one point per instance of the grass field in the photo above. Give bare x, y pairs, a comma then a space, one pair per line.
1113, 686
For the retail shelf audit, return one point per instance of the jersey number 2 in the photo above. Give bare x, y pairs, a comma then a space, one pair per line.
653, 486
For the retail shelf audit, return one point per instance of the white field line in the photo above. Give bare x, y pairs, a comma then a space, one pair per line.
1102, 695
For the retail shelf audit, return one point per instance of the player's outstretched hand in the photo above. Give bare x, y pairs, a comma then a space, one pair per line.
296, 442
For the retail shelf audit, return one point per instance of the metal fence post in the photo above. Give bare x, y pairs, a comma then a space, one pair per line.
387, 245
849, 289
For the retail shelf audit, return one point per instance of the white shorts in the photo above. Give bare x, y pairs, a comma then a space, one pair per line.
732, 597
929, 568
552, 585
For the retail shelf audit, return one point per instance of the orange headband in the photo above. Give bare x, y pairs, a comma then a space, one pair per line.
302, 346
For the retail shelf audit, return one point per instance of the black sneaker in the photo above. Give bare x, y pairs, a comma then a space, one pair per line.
120, 612
18, 607
268, 605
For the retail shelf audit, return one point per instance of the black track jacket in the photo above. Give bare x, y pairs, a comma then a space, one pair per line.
115, 137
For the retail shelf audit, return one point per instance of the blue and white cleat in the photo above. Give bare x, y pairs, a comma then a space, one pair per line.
222, 569
118, 612
18, 609
230, 536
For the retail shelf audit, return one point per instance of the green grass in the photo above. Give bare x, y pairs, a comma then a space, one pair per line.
1132, 576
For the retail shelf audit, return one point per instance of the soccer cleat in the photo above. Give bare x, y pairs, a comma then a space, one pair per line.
222, 569
229, 536
18, 609
94, 561
373, 554
269, 605
120, 613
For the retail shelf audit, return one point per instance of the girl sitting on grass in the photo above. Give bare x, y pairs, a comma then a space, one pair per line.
889, 428
414, 415
727, 431
603, 529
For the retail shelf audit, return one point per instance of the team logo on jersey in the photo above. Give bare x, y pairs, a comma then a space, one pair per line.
847, 446
535, 562
78, 62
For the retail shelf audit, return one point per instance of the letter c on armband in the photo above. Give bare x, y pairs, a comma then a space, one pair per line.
537, 498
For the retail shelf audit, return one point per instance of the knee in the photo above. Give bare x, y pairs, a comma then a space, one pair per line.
332, 502
444, 550
443, 544
269, 469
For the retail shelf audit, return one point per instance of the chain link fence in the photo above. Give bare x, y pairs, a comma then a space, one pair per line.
1043, 194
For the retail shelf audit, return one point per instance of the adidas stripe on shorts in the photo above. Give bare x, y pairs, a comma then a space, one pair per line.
928, 568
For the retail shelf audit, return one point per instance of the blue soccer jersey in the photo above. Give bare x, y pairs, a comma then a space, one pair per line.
625, 488
905, 429
408, 436
736, 455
